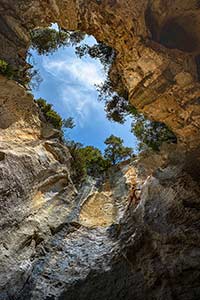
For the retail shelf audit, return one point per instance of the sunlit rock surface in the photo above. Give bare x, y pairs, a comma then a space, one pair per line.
107, 204
156, 42
51, 236
101, 242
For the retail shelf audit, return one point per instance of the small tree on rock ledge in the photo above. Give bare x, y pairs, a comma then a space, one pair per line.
115, 152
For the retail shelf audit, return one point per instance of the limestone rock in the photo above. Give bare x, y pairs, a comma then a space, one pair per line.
155, 43
152, 249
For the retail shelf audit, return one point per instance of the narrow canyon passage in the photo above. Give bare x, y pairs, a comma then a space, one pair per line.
80, 244
60, 241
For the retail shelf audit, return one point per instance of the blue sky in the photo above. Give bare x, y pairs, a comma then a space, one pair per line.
68, 84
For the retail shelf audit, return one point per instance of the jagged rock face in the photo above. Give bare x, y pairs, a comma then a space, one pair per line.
152, 252
164, 245
157, 44
51, 237
36, 190
53, 243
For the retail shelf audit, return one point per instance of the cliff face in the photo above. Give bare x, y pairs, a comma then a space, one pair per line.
51, 236
101, 242
157, 44
35, 185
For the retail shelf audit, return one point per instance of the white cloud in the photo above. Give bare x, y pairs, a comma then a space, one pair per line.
76, 88
81, 104
80, 71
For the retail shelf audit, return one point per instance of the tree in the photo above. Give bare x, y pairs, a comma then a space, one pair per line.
48, 40
117, 106
95, 163
78, 168
115, 152
53, 117
75, 37
151, 134
99, 51
86, 161
50, 114
68, 123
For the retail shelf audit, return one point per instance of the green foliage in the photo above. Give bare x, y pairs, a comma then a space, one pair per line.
7, 70
68, 123
75, 37
51, 115
94, 161
78, 167
100, 51
90, 161
48, 40
3, 66
86, 161
20, 75
117, 106
54, 118
115, 152
32, 77
151, 134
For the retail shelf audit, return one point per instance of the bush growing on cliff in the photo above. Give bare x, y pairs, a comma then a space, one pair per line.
151, 134
86, 161
98, 51
48, 40
95, 163
3, 66
78, 168
21, 75
53, 117
50, 114
115, 151
90, 161
7, 70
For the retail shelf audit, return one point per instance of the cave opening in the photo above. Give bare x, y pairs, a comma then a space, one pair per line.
174, 35
73, 84
47, 253
71, 78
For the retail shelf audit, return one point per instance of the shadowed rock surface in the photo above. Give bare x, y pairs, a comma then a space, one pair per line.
100, 242
156, 42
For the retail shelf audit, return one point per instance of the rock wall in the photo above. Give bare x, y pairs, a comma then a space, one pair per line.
36, 190
160, 71
136, 248
51, 247
51, 236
